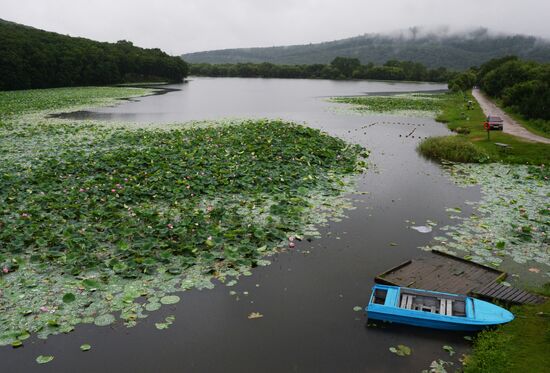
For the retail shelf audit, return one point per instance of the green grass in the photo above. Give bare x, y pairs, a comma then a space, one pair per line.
453, 148
537, 126
457, 117
96, 217
519, 346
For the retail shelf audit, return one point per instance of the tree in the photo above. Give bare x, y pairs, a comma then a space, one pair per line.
346, 65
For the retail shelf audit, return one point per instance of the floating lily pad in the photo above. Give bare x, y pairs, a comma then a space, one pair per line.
16, 344
69, 298
170, 299
43, 359
449, 349
152, 307
85, 347
401, 350
165, 325
104, 320
422, 228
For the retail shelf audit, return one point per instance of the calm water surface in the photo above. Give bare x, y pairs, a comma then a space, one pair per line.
307, 296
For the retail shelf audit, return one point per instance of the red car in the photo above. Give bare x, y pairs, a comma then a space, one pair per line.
493, 123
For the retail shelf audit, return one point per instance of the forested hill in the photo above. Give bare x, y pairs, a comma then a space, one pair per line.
450, 51
32, 58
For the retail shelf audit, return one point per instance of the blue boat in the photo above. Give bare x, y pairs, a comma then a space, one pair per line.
432, 309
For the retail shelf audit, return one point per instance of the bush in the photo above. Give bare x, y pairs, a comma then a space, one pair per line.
462, 130
452, 148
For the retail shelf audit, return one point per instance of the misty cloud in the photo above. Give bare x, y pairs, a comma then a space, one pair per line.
192, 25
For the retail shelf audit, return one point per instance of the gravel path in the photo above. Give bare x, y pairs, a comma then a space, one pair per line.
510, 126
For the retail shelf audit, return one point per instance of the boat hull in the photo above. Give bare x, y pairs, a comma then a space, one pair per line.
424, 323
395, 304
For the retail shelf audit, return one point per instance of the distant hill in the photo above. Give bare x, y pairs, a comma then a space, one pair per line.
455, 51
32, 58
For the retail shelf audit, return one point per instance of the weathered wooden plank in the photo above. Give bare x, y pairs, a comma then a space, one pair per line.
506, 293
517, 297
487, 289
497, 293
523, 297
448, 273
513, 293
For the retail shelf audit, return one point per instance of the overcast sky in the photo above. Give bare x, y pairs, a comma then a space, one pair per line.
180, 26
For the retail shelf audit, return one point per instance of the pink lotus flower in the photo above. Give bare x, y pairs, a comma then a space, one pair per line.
209, 208
170, 226
81, 190
113, 190
5, 269
44, 309
291, 245
24, 215
291, 238
188, 187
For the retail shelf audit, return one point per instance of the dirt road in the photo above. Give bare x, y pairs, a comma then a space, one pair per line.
510, 126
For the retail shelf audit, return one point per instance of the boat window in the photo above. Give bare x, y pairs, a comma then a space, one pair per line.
380, 296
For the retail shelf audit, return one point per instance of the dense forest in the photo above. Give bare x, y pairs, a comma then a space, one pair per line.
523, 86
453, 51
32, 58
339, 68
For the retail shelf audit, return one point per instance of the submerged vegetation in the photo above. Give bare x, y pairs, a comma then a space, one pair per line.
415, 104
98, 218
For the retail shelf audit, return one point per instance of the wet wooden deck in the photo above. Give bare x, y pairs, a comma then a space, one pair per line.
507, 294
448, 273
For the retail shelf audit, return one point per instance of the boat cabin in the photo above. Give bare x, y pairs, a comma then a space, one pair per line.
442, 304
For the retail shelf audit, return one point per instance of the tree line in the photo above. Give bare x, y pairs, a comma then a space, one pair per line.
339, 68
523, 86
32, 58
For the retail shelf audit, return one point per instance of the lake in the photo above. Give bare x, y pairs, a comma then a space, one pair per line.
307, 295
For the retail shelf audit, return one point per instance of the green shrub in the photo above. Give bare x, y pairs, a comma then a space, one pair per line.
462, 130
452, 148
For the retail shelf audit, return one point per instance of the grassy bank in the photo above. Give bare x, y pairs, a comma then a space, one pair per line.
537, 126
519, 346
100, 220
469, 126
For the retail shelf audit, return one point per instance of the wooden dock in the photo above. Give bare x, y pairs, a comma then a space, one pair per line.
440, 271
507, 294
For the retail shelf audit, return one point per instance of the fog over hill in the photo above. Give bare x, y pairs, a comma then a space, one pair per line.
432, 48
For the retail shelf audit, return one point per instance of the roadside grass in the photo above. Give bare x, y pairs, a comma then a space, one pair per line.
519, 346
470, 122
537, 126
